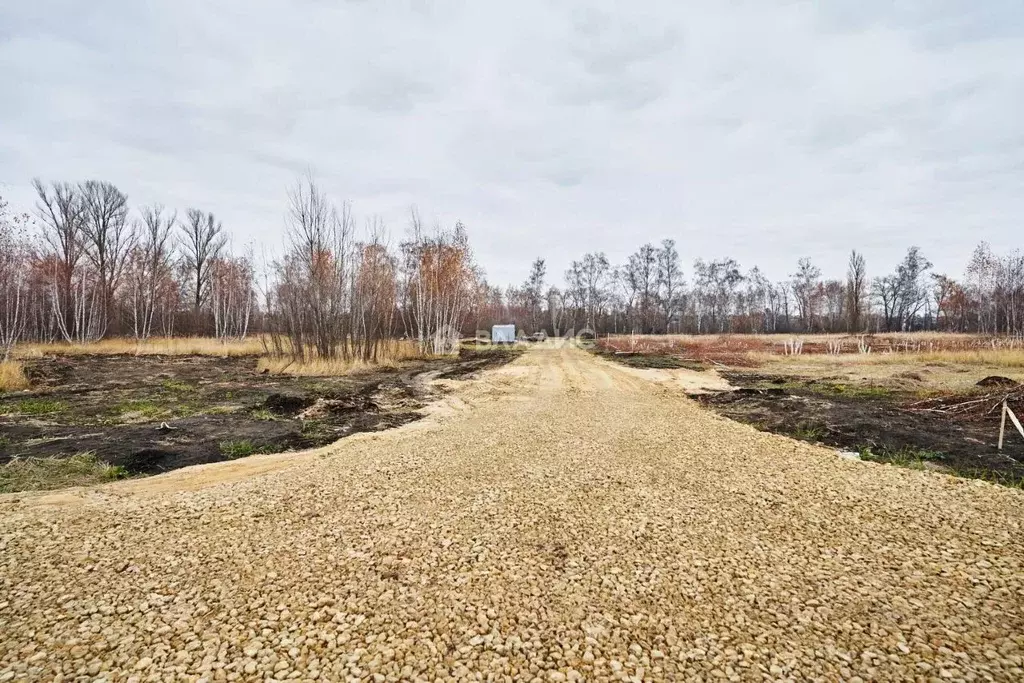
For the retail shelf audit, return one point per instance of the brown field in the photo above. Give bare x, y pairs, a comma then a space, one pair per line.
156, 346
924, 400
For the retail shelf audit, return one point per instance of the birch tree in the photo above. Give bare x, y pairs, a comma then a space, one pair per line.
150, 269
201, 240
671, 286
14, 269
440, 278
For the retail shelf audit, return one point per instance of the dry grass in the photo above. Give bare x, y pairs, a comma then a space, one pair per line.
12, 376
918, 341
392, 354
923, 347
939, 371
42, 474
992, 358
1000, 358
162, 346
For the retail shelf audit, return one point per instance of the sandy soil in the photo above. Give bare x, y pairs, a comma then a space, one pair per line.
558, 519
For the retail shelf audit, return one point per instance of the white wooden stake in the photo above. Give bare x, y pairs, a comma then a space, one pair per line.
1002, 426
1015, 421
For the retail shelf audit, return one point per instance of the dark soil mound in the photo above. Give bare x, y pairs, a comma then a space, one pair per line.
998, 381
287, 404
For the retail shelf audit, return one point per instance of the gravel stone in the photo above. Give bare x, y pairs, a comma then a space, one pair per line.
557, 519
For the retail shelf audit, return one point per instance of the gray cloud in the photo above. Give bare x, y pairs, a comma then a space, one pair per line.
766, 131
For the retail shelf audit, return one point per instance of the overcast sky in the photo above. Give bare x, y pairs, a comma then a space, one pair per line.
760, 130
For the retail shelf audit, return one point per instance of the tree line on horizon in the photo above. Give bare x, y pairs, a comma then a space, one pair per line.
649, 294
84, 266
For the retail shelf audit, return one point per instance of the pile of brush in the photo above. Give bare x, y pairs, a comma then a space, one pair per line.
976, 406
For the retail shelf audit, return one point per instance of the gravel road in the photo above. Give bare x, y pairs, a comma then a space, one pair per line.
557, 519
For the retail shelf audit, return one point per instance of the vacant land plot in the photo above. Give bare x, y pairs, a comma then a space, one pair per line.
561, 518
920, 400
130, 415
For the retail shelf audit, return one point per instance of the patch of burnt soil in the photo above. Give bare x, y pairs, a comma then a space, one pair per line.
998, 381
645, 360
881, 425
151, 414
472, 361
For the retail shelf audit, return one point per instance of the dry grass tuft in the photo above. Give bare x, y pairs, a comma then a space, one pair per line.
391, 355
156, 346
12, 376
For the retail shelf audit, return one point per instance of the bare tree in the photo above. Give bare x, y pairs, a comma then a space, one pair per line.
313, 296
715, 286
641, 279
61, 212
150, 267
587, 283
440, 276
202, 240
755, 300
336, 297
621, 301
14, 269
905, 292
671, 286
374, 293
108, 237
835, 298
232, 291
533, 294
807, 292
556, 307
856, 291
994, 286
886, 290
952, 304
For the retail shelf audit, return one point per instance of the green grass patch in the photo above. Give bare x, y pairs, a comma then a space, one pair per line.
239, 449
178, 387
222, 410
908, 456
142, 408
262, 414
917, 459
42, 474
316, 430
809, 432
33, 406
1011, 479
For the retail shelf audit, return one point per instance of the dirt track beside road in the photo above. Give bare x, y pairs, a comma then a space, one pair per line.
556, 519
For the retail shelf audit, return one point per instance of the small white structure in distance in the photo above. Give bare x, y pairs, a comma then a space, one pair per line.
503, 334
